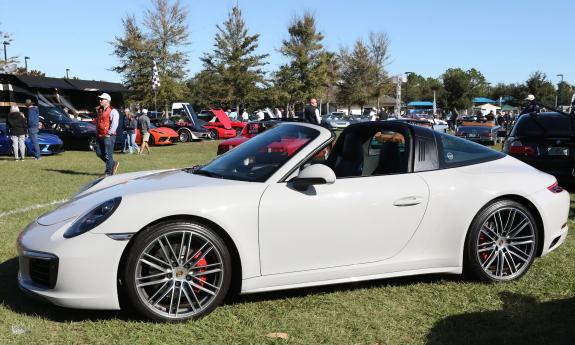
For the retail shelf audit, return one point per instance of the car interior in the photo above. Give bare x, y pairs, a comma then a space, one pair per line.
370, 152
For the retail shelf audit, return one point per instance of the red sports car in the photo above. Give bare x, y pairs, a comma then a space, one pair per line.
159, 136
218, 118
286, 145
222, 129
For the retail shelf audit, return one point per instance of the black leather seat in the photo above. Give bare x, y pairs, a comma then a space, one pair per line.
390, 160
351, 161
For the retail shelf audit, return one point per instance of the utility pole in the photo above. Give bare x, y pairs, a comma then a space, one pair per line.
67, 70
5, 43
559, 90
26, 63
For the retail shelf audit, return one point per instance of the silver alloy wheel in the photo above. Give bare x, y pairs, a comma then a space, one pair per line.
506, 243
184, 136
179, 274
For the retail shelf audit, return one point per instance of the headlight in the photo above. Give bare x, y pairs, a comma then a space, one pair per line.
93, 218
89, 185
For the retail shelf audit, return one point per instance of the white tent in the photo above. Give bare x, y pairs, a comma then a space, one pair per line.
486, 108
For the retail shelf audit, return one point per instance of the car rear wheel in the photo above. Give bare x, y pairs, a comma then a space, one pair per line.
184, 135
177, 270
502, 242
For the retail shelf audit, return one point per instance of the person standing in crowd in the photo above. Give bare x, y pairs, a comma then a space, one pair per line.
144, 127
311, 113
33, 126
130, 125
260, 115
278, 113
106, 126
16, 126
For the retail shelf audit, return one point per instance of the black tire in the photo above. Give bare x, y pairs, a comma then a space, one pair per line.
502, 242
151, 141
184, 135
192, 275
214, 134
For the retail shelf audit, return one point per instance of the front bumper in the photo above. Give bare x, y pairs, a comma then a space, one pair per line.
79, 272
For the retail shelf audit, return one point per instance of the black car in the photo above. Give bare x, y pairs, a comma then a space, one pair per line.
75, 134
481, 134
545, 141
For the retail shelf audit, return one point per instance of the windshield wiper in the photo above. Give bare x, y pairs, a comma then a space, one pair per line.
207, 173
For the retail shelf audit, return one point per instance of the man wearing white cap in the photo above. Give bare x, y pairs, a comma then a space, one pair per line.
106, 126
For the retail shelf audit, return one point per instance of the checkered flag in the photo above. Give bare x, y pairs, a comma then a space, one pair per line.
155, 77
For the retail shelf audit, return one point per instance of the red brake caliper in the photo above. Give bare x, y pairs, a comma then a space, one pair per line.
482, 255
203, 262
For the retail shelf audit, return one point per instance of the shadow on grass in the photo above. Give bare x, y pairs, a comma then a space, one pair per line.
13, 298
72, 172
326, 289
522, 321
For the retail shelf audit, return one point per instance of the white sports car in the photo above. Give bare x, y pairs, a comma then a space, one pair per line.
392, 199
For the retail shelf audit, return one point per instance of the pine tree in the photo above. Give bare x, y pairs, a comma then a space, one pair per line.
306, 75
359, 77
165, 34
234, 62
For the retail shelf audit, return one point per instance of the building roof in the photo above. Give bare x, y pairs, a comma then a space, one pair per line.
483, 100
420, 104
70, 84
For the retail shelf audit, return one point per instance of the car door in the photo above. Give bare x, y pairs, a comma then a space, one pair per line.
362, 219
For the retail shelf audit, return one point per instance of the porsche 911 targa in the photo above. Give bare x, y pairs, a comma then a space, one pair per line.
391, 199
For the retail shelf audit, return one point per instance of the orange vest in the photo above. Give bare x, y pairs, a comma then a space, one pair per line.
103, 121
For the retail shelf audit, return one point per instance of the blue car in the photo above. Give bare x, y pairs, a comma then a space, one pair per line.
49, 143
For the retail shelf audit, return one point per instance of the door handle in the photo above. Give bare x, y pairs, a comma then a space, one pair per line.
408, 201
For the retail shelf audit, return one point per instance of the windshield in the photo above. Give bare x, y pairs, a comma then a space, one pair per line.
260, 157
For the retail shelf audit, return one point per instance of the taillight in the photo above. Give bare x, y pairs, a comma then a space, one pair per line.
276, 149
518, 148
458, 133
555, 188
485, 134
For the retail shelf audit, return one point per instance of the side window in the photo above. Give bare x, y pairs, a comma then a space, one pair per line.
454, 152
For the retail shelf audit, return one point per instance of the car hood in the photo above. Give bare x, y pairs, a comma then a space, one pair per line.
234, 141
135, 183
223, 118
45, 138
164, 131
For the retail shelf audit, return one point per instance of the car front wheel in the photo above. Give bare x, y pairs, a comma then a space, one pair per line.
502, 242
177, 270
184, 135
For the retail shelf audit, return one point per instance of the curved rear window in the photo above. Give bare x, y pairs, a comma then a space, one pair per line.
544, 124
456, 152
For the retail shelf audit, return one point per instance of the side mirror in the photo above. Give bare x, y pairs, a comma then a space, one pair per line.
312, 175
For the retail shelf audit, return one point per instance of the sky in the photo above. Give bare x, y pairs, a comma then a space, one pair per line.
505, 40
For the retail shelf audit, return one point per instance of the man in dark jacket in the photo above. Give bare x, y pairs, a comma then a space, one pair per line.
16, 125
33, 124
311, 113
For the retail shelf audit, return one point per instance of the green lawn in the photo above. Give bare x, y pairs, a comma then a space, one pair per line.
437, 309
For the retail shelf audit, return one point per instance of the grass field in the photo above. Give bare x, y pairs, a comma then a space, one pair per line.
436, 309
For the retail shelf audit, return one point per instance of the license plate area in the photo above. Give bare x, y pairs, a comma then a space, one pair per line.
557, 151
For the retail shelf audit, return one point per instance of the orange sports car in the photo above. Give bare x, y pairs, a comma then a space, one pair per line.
159, 136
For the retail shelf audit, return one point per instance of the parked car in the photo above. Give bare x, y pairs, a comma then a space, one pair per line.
49, 144
186, 123
481, 134
159, 136
545, 141
251, 130
174, 242
218, 118
336, 121
74, 133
